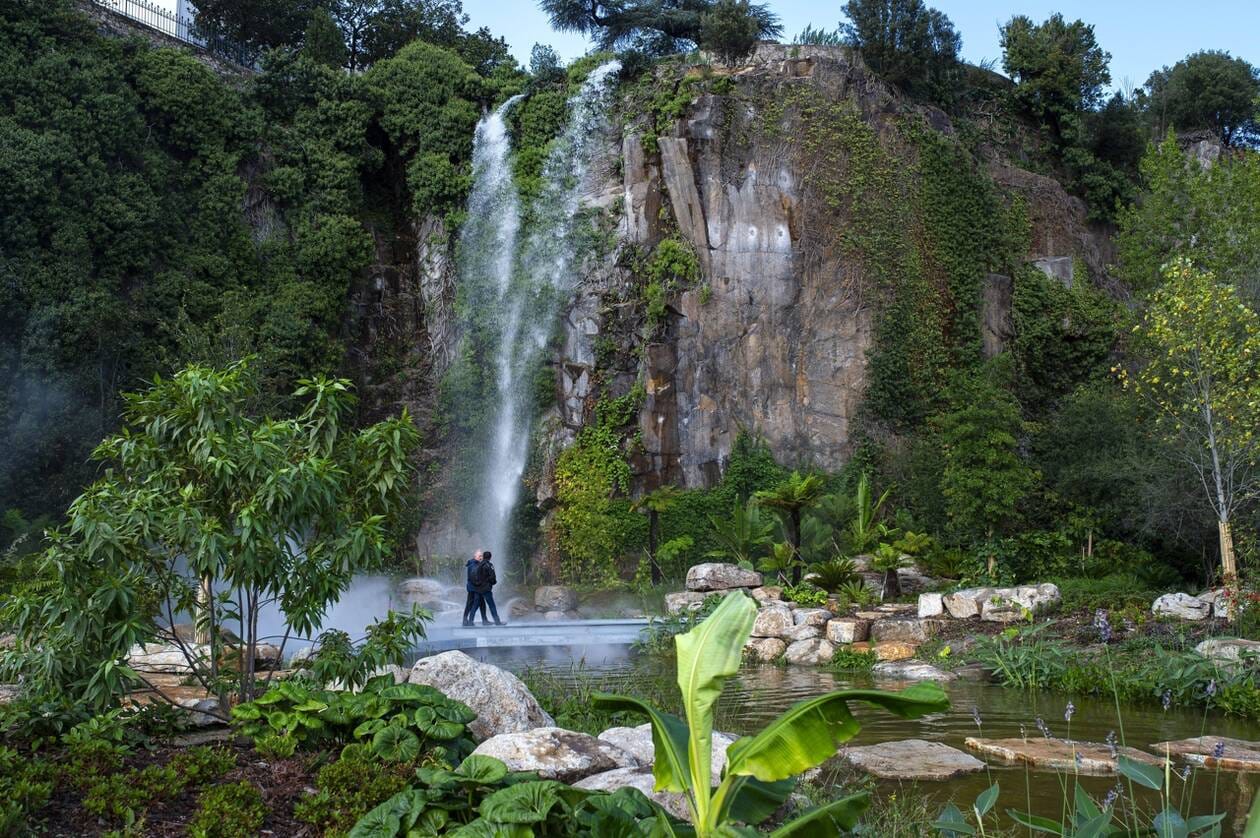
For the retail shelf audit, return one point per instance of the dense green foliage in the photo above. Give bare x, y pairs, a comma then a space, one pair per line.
908, 43
126, 249
1211, 90
207, 509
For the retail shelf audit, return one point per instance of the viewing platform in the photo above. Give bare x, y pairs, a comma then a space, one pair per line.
621, 632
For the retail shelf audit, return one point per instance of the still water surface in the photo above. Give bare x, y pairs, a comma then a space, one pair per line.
760, 693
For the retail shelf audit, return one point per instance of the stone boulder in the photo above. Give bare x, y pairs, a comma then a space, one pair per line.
1228, 651
767, 593
904, 630
1218, 600
910, 670
1095, 758
912, 759
502, 703
677, 603
1182, 607
802, 631
931, 605
419, 589
555, 598
845, 630
1234, 754
893, 651
166, 657
636, 743
555, 753
772, 621
811, 616
814, 652
999, 609
720, 576
765, 649
970, 602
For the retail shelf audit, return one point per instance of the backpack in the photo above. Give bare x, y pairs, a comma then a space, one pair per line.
483, 575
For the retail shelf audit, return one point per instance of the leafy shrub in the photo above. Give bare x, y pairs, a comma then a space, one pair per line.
833, 575
234, 810
1115, 591
805, 594
125, 796
348, 788
849, 660
401, 721
481, 797
26, 785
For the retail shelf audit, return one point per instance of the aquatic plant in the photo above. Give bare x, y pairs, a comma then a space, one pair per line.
761, 769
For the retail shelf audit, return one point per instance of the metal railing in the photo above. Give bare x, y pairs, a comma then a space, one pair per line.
181, 28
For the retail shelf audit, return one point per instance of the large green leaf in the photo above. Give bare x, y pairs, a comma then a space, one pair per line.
809, 732
826, 821
387, 819
1150, 776
708, 655
749, 800
481, 769
396, 744
669, 739
523, 803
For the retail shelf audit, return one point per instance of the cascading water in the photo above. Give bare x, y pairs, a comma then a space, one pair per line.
521, 287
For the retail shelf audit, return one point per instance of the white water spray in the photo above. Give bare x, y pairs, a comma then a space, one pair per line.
528, 285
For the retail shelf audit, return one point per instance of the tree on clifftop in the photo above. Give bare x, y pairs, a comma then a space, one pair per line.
657, 27
1058, 68
909, 44
1208, 89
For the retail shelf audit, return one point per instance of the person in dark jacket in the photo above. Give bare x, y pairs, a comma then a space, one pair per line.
484, 579
470, 604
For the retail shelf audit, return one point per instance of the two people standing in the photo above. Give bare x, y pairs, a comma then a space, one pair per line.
480, 586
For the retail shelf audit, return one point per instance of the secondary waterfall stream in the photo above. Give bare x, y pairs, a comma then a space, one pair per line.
523, 276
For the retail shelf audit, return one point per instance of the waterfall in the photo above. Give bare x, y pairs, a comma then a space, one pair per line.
519, 286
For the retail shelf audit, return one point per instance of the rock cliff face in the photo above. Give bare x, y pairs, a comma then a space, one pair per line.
775, 337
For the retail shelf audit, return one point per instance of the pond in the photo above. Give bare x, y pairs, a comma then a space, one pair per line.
759, 693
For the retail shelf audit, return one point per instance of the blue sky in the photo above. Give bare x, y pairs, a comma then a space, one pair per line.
1141, 36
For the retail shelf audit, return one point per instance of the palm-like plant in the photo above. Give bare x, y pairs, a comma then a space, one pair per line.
888, 559
789, 500
782, 561
865, 529
654, 503
743, 536
761, 769
833, 575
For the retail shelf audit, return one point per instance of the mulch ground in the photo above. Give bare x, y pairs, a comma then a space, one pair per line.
282, 783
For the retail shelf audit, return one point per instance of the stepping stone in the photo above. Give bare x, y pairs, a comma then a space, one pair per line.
910, 671
1238, 754
1094, 758
912, 759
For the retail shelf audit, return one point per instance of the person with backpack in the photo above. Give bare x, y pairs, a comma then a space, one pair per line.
483, 581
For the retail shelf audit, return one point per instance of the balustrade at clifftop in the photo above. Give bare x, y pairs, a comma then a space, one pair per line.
181, 27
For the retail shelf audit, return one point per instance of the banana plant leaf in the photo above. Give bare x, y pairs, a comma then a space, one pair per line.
826, 821
672, 768
708, 655
809, 732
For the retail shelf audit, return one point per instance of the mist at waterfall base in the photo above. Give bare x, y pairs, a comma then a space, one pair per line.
521, 278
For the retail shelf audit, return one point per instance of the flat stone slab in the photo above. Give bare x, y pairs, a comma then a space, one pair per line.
1096, 758
1235, 754
910, 670
912, 759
